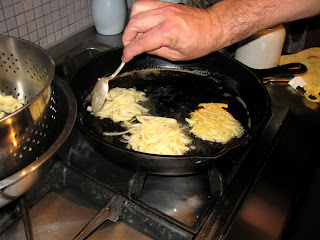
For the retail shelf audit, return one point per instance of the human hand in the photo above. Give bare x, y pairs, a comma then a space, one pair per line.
179, 32
173, 31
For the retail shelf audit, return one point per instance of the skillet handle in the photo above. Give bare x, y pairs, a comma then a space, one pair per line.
284, 71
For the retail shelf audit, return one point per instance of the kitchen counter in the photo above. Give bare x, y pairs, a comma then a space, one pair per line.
88, 38
283, 203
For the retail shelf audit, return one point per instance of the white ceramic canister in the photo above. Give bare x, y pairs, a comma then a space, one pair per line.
109, 16
262, 50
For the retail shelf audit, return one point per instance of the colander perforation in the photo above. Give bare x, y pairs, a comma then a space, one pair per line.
34, 135
9, 62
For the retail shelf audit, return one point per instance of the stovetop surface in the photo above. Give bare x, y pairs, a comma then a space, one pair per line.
83, 183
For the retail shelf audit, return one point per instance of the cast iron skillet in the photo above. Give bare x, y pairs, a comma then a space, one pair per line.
175, 89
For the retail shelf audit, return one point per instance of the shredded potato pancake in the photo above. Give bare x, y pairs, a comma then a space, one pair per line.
8, 104
212, 122
122, 104
161, 135
311, 58
157, 135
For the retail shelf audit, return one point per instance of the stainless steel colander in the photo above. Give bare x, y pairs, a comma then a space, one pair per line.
26, 72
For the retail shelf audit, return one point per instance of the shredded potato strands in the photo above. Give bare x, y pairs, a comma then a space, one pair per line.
311, 58
8, 104
161, 135
157, 135
212, 122
122, 104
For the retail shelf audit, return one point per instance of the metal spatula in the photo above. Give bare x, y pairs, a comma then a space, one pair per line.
101, 89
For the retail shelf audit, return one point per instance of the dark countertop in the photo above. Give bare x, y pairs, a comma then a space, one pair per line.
284, 202
87, 38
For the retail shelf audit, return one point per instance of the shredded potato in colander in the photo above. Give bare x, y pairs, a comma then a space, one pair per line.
122, 104
8, 104
157, 135
212, 122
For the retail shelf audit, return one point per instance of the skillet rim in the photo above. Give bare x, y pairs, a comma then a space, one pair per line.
241, 141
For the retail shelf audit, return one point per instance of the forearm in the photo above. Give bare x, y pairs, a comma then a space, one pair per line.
238, 19
179, 32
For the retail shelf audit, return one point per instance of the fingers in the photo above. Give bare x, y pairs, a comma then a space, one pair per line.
145, 15
141, 23
144, 5
147, 42
168, 53
172, 31
146, 18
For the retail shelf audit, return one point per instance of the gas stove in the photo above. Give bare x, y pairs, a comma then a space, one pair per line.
85, 196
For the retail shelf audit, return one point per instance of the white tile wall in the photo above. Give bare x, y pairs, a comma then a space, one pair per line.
44, 22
